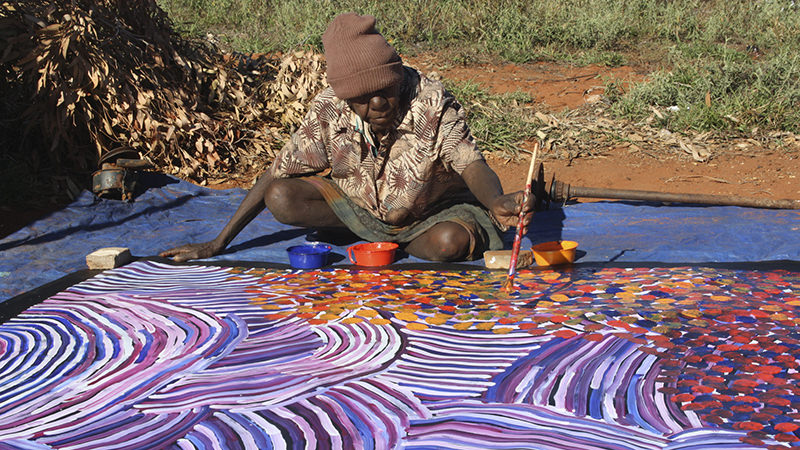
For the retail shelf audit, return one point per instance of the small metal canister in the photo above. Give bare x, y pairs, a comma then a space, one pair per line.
116, 178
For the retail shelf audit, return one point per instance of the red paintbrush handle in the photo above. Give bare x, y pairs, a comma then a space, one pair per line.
512, 267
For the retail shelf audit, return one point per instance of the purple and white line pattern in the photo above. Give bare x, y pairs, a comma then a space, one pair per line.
153, 356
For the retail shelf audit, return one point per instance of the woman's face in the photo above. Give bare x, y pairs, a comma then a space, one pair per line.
378, 108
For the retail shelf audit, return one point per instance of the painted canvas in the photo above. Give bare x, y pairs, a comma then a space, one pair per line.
154, 355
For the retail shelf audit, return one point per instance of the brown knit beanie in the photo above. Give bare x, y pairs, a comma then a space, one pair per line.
359, 59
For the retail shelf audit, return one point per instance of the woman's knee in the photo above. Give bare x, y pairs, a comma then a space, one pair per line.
281, 199
448, 241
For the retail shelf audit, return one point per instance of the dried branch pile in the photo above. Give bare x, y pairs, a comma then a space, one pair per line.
79, 78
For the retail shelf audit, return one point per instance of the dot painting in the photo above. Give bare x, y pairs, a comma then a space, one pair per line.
154, 355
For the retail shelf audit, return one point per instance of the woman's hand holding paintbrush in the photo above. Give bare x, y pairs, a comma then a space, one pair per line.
487, 187
516, 209
525, 215
507, 211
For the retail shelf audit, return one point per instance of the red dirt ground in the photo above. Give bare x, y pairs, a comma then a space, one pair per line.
752, 173
749, 172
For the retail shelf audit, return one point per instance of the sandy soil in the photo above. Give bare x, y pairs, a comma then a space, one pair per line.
737, 169
773, 176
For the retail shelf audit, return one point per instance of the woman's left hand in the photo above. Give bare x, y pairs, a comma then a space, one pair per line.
506, 209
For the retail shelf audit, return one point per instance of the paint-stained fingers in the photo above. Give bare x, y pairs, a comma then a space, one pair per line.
526, 220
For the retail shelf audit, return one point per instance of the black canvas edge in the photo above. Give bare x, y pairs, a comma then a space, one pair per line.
11, 307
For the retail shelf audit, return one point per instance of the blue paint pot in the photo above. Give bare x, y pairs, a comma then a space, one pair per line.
308, 256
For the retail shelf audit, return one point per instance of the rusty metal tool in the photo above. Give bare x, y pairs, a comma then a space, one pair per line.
562, 192
117, 175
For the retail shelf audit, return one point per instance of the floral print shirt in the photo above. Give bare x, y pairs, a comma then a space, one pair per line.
409, 174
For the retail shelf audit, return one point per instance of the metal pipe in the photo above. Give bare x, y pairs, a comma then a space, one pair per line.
562, 192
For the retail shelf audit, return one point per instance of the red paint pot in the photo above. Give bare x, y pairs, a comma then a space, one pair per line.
372, 253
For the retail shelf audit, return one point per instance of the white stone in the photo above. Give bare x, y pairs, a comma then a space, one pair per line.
108, 258
501, 259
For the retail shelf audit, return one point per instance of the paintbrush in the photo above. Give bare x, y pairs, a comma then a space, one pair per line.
512, 266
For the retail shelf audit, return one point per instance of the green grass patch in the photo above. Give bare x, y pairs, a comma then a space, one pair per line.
498, 121
740, 52
729, 92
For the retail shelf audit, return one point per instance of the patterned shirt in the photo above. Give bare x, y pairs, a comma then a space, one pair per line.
412, 172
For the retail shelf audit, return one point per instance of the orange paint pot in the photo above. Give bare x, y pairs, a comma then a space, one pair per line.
554, 253
372, 254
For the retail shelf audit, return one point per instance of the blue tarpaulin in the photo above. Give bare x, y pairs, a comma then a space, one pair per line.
169, 212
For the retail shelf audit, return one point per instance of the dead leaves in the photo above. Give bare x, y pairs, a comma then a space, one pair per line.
301, 75
589, 132
592, 131
698, 153
110, 73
